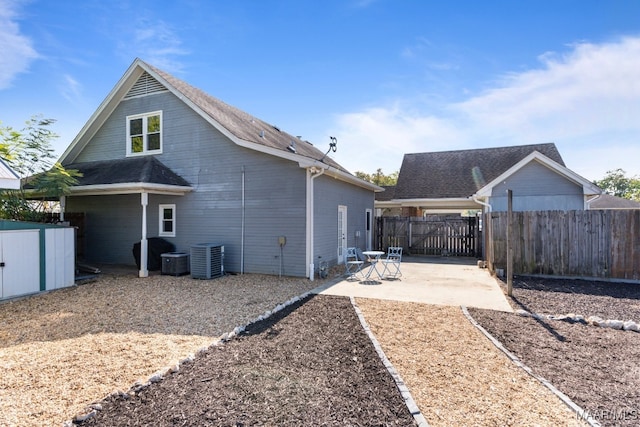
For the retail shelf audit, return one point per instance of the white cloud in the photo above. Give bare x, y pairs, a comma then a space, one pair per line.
17, 49
71, 89
587, 101
156, 42
379, 137
586, 91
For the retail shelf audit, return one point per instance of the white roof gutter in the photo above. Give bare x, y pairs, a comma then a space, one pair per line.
129, 188
480, 202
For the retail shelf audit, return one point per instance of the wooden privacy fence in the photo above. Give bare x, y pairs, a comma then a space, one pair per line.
594, 243
430, 235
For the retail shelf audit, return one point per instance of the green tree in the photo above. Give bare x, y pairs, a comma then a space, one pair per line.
379, 178
616, 183
30, 154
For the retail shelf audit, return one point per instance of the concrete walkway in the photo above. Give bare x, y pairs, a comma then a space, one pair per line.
430, 280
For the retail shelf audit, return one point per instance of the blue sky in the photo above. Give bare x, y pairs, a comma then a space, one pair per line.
385, 77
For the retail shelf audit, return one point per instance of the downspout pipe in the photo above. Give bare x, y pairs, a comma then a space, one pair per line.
480, 202
242, 232
488, 206
312, 173
587, 203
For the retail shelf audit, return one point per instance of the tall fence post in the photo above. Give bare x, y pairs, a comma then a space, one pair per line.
509, 242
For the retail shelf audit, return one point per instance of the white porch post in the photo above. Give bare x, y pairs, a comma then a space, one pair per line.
144, 201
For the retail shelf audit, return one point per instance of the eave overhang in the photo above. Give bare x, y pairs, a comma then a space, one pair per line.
588, 188
444, 203
129, 188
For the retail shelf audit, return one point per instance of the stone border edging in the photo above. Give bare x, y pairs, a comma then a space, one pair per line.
402, 387
628, 325
584, 415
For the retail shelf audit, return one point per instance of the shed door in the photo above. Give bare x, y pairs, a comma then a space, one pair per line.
20, 254
342, 232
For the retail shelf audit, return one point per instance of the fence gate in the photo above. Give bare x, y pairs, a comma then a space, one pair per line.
430, 235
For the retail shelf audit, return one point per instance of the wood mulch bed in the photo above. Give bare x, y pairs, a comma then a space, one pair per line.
596, 367
312, 364
62, 350
309, 364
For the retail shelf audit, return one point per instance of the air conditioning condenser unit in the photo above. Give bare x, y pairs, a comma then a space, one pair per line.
175, 263
207, 261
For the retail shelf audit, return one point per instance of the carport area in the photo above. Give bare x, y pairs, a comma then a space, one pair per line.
430, 280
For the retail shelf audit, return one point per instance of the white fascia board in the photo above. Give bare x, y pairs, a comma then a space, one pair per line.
304, 162
588, 187
103, 111
453, 202
9, 179
386, 204
129, 188
6, 172
10, 183
343, 176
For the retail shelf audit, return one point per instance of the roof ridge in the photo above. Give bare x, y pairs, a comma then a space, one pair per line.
546, 144
242, 124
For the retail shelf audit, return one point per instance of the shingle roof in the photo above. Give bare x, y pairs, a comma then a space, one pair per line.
146, 169
607, 201
387, 194
243, 125
455, 174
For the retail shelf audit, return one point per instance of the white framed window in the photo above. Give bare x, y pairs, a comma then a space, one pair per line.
167, 221
144, 134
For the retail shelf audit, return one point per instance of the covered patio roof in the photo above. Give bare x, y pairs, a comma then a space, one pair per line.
127, 176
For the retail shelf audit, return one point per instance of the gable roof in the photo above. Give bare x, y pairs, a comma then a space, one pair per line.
129, 175
588, 188
461, 173
240, 127
607, 201
8, 178
387, 194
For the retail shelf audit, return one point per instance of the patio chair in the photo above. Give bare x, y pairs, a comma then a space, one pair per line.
392, 263
353, 263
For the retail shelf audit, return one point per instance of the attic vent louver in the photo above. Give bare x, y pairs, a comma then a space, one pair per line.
144, 86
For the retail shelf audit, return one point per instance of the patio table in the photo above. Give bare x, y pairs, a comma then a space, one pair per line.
373, 257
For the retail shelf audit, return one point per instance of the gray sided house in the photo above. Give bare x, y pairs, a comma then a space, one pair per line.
456, 181
8, 178
161, 158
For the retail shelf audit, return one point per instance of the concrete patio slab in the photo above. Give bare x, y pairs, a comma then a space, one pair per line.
430, 280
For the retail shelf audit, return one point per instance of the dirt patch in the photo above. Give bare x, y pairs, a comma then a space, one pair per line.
596, 367
310, 364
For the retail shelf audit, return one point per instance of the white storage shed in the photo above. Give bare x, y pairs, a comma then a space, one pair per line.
35, 257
